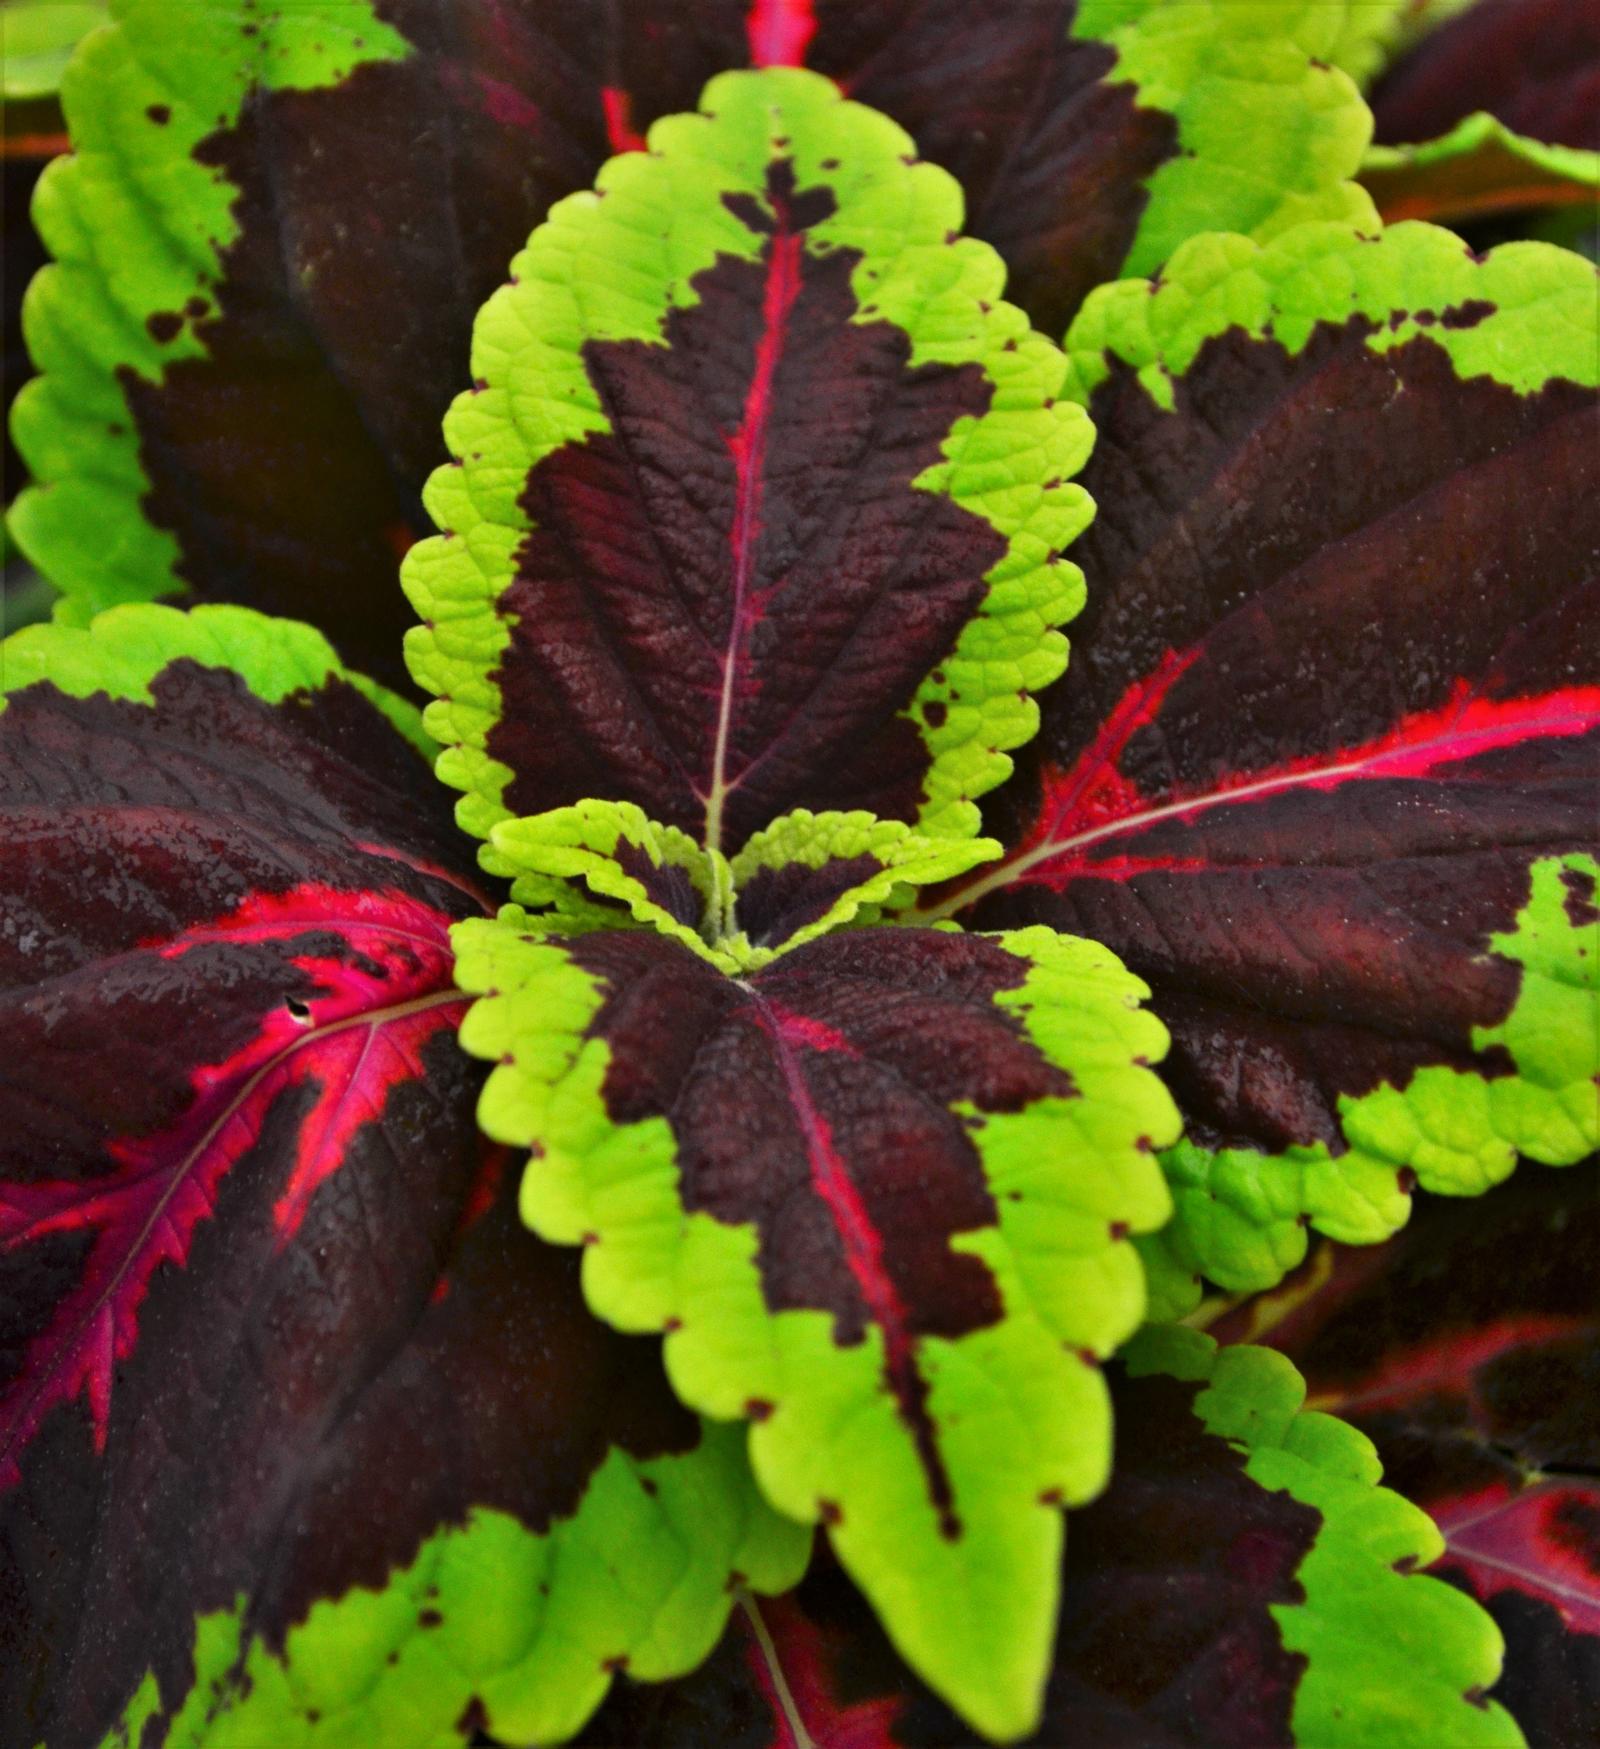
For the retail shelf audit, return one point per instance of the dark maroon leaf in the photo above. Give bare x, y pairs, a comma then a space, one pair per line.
1051, 153
1468, 1348
1333, 693
847, 586
1535, 64
1170, 1634
268, 1320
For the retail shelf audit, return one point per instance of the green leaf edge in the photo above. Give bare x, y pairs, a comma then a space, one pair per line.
1015, 1403
1271, 130
1542, 326
37, 38
1392, 1656
944, 294
642, 1575
1562, 164
1242, 1216
123, 650
138, 226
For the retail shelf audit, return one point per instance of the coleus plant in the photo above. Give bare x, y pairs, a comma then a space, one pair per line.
894, 1017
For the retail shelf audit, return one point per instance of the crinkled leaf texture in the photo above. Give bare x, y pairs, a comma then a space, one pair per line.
761, 495
303, 1438
796, 880
1325, 767
1241, 1581
880, 1195
210, 252
1091, 137
1468, 1348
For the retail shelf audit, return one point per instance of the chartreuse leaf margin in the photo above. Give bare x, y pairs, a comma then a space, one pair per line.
1241, 1214
1540, 325
138, 225
1480, 167
1391, 1657
532, 1626
611, 265
125, 648
1271, 127
545, 852
1018, 1407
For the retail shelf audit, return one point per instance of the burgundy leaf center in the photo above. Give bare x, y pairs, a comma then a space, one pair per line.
367, 981
727, 601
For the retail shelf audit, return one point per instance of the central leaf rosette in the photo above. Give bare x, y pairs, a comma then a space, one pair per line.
752, 563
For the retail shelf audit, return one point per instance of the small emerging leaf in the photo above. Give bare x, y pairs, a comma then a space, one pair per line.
798, 879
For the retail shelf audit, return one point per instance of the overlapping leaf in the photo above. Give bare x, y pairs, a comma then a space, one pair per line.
880, 1195
1324, 770
1533, 64
298, 209
1495, 111
289, 1403
1468, 1348
761, 496
1091, 137
1237, 1584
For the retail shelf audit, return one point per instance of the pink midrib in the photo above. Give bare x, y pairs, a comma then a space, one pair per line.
859, 1236
779, 32
1557, 714
1416, 759
21, 1421
748, 447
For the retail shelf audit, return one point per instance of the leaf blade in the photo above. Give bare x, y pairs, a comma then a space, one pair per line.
768, 1227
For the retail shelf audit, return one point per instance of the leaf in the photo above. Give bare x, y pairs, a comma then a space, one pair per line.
1235, 1584
37, 38
761, 500
1468, 1348
309, 204
878, 1195
1533, 64
1092, 138
803, 877
1480, 167
1493, 112
1323, 771
279, 1368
